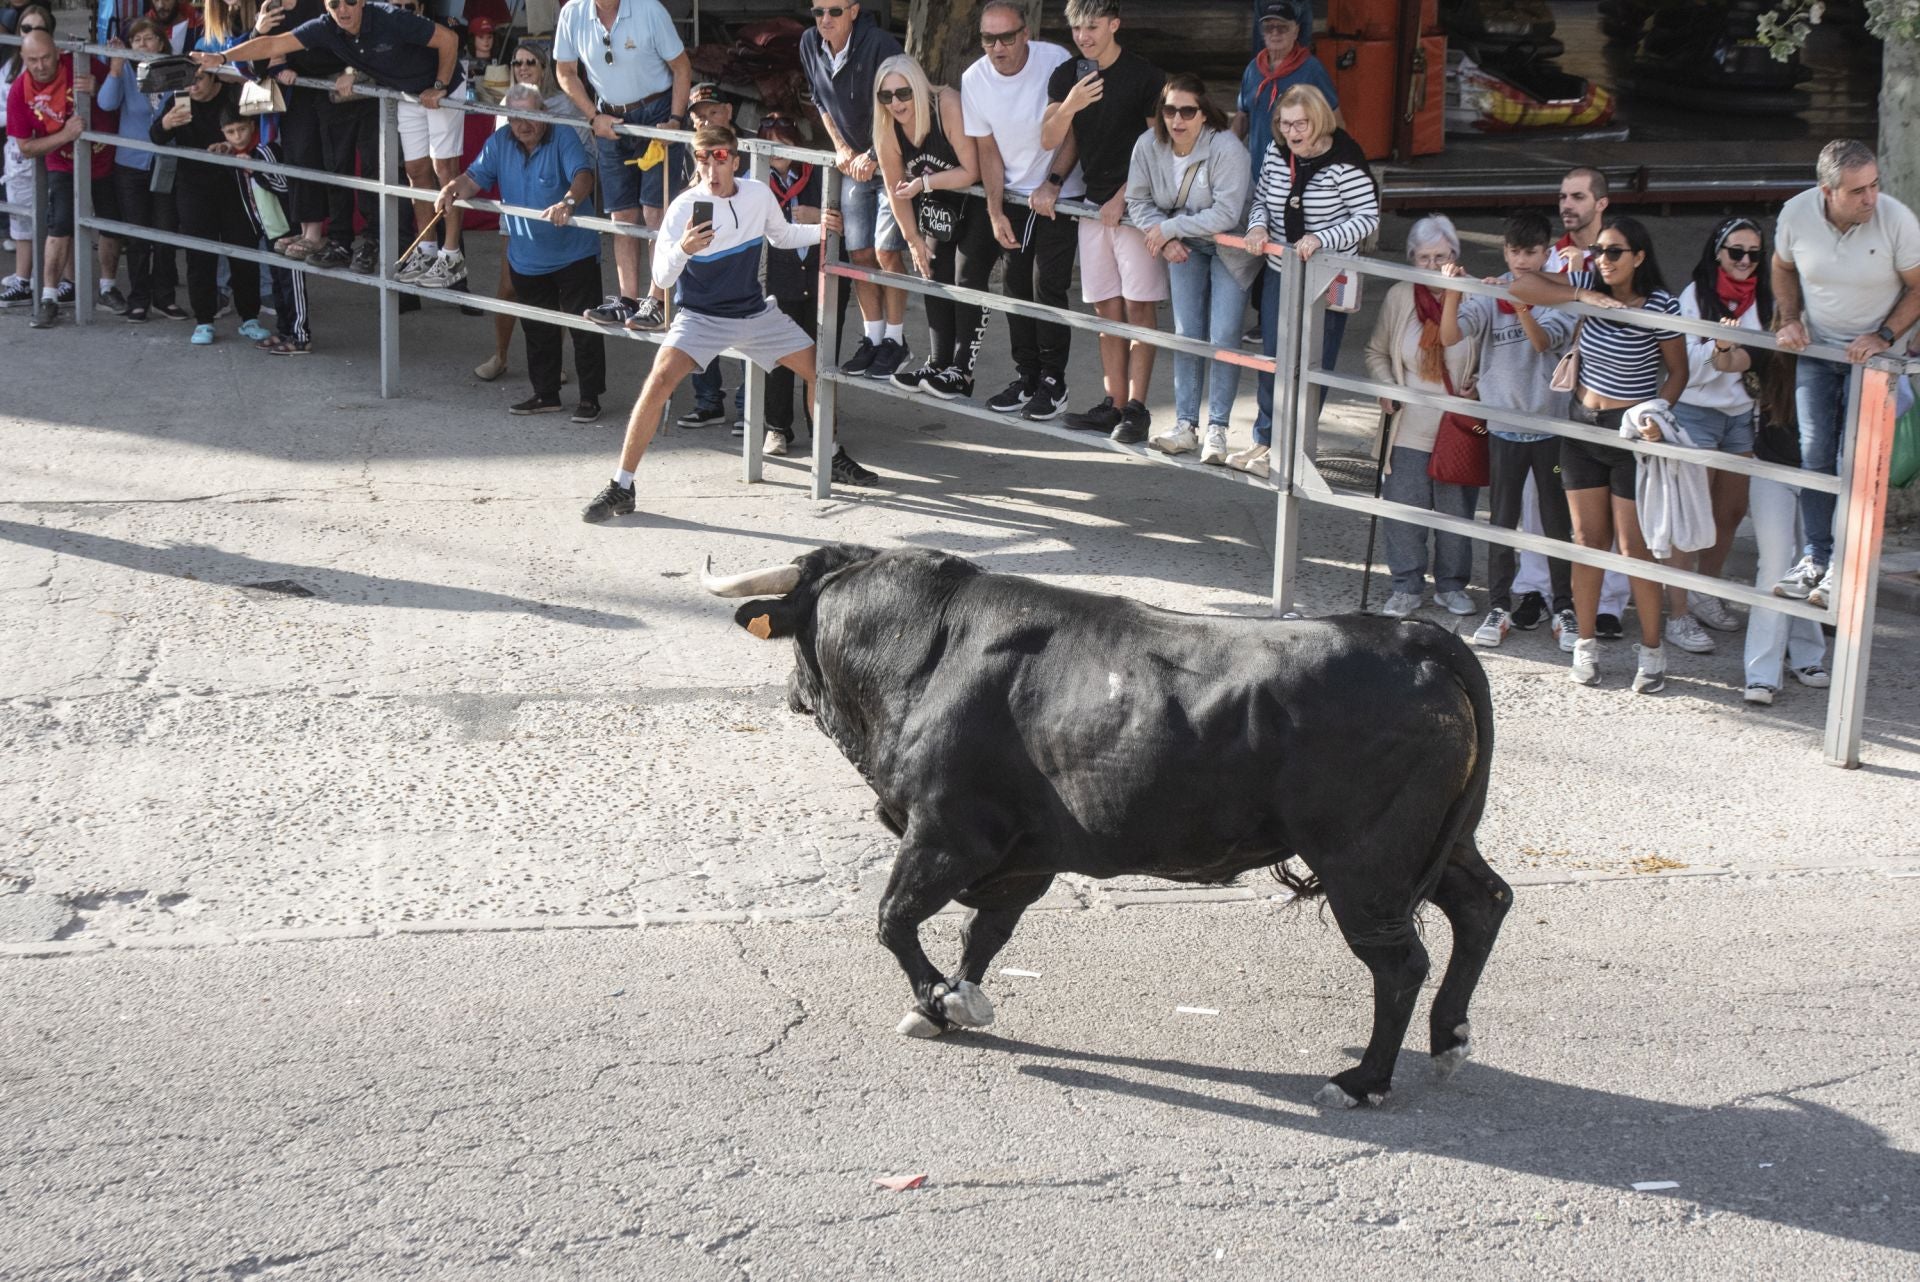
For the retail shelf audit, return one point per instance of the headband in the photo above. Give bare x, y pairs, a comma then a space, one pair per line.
1733, 225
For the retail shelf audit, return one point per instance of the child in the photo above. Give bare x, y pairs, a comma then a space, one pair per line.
1519, 347
264, 195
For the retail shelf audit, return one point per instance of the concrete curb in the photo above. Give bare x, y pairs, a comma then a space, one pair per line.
1172, 897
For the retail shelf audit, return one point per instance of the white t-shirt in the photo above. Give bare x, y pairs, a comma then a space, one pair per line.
1849, 280
1008, 110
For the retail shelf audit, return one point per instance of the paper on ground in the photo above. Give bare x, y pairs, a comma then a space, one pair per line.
1195, 1010
1654, 1186
900, 1183
1020, 974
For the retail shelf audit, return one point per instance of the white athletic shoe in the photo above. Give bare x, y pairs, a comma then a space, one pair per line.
1182, 439
1651, 677
448, 268
414, 266
1685, 631
1586, 661
1213, 450
1455, 602
1493, 630
1713, 612
1566, 630
1401, 604
1252, 460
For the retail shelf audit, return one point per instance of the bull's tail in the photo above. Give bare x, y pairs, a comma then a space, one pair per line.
1304, 885
1463, 816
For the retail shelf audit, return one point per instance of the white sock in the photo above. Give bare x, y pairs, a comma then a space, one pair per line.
430, 247
50, 294
876, 330
623, 479
106, 283
897, 333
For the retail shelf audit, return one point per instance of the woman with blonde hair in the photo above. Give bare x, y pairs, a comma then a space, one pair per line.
926, 162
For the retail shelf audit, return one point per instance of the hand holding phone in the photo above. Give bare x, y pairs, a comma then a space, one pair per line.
702, 213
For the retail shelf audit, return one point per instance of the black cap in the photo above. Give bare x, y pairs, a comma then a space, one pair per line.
1282, 10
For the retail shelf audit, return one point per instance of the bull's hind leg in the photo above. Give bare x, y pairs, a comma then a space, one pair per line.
1476, 901
925, 880
996, 911
1393, 952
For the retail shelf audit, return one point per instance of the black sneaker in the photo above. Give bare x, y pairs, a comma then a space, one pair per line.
1607, 627
615, 500
16, 293
67, 294
1527, 615
862, 359
948, 385
888, 358
46, 314
587, 411
648, 315
1101, 418
614, 311
169, 311
1134, 422
114, 301
1016, 395
366, 256
1049, 400
535, 405
848, 472
701, 417
333, 254
915, 379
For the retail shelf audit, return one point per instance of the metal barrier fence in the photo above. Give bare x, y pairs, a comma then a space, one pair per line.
1860, 488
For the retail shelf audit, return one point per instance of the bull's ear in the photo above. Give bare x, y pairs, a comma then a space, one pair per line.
769, 619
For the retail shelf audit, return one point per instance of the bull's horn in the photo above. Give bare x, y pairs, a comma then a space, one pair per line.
775, 580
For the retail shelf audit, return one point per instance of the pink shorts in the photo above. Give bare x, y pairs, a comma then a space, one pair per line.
1114, 263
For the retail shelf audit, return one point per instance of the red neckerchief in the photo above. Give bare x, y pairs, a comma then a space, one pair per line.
1567, 251
53, 103
1736, 295
787, 190
1263, 63
1427, 308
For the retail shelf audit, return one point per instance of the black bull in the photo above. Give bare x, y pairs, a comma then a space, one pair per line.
1013, 731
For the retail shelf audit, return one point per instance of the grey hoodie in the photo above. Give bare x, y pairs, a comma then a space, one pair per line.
1216, 202
1512, 375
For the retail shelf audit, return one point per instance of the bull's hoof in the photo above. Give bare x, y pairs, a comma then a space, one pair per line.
967, 1005
1448, 1061
1334, 1095
916, 1024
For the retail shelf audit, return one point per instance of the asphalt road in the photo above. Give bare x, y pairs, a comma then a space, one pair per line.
716, 1102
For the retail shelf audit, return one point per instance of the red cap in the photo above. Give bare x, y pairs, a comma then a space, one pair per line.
481, 26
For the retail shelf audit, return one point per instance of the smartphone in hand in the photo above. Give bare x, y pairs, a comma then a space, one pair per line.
1084, 67
702, 213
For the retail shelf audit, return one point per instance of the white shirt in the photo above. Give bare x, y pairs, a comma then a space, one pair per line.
1707, 387
1849, 281
1008, 110
643, 42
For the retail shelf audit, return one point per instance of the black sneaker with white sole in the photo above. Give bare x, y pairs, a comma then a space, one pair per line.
1014, 397
1133, 425
16, 293
366, 257
912, 378
535, 405
1049, 400
862, 359
614, 310
701, 416
650, 314
888, 358
170, 311
1527, 615
587, 411
1103, 417
948, 385
615, 500
848, 472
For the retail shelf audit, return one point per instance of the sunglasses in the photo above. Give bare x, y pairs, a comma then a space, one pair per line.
719, 155
989, 39
885, 96
1741, 255
834, 12
608, 42
27, 31
1612, 253
526, 62
1172, 112
343, 4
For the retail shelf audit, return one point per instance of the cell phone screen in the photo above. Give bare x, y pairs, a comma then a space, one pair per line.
702, 213
1084, 68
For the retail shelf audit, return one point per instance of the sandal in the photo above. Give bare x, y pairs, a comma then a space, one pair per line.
281, 345
299, 248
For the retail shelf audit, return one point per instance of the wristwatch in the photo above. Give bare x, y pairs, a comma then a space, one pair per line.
1056, 180
1885, 334
441, 85
569, 201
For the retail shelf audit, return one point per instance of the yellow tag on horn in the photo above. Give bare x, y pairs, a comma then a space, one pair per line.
760, 627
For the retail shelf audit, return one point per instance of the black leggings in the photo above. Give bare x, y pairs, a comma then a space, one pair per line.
153, 275
955, 328
212, 210
1510, 463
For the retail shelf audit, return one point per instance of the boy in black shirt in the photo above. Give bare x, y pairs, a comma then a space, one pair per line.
1107, 109
265, 198
210, 206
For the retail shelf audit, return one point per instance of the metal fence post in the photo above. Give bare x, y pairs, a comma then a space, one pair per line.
39, 278
85, 260
825, 391
754, 411
1289, 396
1858, 526
389, 248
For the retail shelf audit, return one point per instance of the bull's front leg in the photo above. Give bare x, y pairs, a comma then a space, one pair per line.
924, 880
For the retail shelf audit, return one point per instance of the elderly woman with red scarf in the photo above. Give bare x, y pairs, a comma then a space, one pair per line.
1406, 350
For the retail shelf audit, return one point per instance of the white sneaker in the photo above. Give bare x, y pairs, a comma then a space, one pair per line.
414, 267
1713, 612
1814, 677
1182, 439
448, 268
1685, 631
1566, 630
1651, 677
1821, 593
1759, 694
775, 445
1401, 604
1586, 661
1213, 450
1493, 630
1252, 460
489, 369
1796, 583
1455, 602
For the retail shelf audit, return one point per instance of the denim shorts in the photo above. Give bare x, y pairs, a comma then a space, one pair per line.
868, 215
1712, 430
625, 186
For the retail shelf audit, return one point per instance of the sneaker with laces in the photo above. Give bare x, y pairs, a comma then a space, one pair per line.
1606, 627
366, 257
1566, 630
776, 444
1493, 629
615, 500
448, 268
66, 293
1685, 631
1762, 695
535, 404
913, 378
1103, 417
1712, 612
46, 314
587, 411
332, 254
1586, 662
1796, 583
1400, 604
649, 314
848, 472
1651, 676
1532, 609
414, 266
1133, 426
1183, 438
1822, 591
1813, 676
948, 384
702, 416
862, 359
887, 359
1013, 396
1254, 460
1455, 602
1048, 402
1213, 449
613, 310
114, 301
16, 292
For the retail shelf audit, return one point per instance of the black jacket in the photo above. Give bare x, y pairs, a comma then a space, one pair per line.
197, 134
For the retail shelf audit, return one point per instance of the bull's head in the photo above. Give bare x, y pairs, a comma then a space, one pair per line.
794, 589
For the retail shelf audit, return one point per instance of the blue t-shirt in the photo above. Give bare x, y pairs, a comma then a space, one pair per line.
1260, 99
534, 245
392, 47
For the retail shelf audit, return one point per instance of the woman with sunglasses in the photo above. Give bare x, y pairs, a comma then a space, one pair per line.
1716, 411
527, 67
16, 290
713, 269
1621, 367
926, 161
1188, 181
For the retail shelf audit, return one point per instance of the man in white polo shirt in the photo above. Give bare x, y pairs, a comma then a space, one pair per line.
1846, 272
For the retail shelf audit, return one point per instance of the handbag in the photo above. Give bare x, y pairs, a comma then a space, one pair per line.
1566, 374
165, 75
1459, 455
937, 215
261, 98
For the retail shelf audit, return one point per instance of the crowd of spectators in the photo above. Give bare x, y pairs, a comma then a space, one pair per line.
1189, 198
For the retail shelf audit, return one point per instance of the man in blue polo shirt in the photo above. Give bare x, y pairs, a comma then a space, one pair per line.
403, 52
554, 265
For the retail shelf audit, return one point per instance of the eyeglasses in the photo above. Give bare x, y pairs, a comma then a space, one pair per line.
1741, 255
27, 31
526, 62
834, 12
885, 96
1612, 253
989, 39
1295, 126
719, 155
1172, 112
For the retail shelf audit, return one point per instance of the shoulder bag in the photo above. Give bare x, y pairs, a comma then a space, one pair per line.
261, 98
1566, 375
1459, 454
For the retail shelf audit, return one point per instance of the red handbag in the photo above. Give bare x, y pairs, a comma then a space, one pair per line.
1459, 454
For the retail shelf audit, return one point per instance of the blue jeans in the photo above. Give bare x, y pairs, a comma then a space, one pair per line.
624, 186
710, 389
1208, 304
1330, 336
1406, 545
1820, 399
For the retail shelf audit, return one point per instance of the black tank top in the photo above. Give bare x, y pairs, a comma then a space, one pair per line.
934, 155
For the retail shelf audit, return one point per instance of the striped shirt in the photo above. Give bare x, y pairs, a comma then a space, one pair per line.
1340, 204
1618, 361
724, 278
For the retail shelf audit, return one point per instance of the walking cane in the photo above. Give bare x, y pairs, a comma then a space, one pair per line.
432, 222
1373, 522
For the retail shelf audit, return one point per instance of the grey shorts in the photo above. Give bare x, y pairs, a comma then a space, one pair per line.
762, 338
